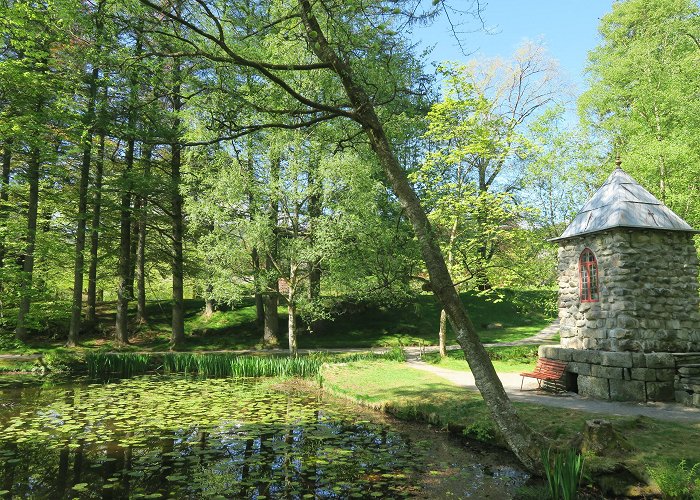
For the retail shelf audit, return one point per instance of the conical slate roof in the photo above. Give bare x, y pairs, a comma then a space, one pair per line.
622, 202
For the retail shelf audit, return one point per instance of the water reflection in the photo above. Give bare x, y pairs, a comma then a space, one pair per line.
154, 437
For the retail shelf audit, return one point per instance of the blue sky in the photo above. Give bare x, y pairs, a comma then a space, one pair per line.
569, 29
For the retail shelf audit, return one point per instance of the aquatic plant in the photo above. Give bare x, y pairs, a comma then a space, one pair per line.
120, 364
224, 364
185, 437
563, 472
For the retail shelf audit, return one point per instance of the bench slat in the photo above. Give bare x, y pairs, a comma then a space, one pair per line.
547, 370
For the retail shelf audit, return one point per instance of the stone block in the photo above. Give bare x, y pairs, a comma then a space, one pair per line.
683, 397
627, 390
593, 387
612, 372
660, 391
586, 356
660, 360
689, 370
619, 333
624, 321
621, 359
665, 374
644, 374
696, 400
551, 351
639, 360
580, 368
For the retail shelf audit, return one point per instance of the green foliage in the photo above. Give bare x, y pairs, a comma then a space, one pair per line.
481, 431
563, 471
677, 481
63, 361
642, 75
10, 342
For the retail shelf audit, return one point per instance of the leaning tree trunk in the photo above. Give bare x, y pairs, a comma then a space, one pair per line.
79, 267
28, 257
522, 440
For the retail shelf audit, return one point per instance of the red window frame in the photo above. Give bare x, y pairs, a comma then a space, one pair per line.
588, 276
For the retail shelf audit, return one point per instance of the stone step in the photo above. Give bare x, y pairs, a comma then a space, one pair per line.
689, 370
687, 358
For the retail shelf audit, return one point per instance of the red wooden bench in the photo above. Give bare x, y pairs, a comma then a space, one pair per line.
546, 370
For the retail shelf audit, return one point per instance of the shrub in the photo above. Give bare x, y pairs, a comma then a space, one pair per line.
677, 481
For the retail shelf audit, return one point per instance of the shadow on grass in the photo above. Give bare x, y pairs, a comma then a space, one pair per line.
517, 316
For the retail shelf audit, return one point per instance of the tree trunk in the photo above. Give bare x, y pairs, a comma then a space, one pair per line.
95, 232
314, 214
177, 339
271, 299
523, 441
259, 305
134, 245
271, 327
208, 304
141, 316
4, 195
28, 257
124, 269
442, 334
292, 309
79, 267
122, 331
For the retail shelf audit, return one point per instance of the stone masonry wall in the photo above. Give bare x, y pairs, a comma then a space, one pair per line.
618, 376
631, 376
648, 293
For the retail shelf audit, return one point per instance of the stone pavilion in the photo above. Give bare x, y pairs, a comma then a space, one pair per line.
629, 308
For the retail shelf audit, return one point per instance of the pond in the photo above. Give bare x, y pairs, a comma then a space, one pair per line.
177, 437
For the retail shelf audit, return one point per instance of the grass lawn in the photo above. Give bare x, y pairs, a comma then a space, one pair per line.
513, 359
520, 314
417, 395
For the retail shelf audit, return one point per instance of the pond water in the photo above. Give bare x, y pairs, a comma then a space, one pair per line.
177, 437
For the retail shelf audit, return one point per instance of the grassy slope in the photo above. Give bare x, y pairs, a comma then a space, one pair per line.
520, 315
413, 394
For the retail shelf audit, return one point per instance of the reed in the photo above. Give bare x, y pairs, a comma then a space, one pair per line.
563, 471
119, 364
218, 365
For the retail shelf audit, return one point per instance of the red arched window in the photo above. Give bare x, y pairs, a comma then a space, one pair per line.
588, 276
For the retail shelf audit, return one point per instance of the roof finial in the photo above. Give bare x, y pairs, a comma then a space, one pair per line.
618, 162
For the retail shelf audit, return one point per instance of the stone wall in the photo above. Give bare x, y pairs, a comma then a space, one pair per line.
648, 293
618, 376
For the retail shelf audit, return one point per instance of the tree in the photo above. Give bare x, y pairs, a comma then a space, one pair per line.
472, 172
644, 94
354, 59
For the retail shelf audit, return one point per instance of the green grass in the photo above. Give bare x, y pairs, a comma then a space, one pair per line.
521, 314
514, 359
416, 395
